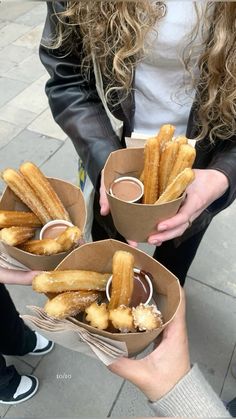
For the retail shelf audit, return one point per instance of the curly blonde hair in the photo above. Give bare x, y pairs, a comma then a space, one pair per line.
115, 32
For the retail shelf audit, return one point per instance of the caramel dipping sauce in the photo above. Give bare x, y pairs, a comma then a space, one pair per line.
54, 231
127, 189
142, 291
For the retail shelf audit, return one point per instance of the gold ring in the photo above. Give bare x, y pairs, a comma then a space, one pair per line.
189, 223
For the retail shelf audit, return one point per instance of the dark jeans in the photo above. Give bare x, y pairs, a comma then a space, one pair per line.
15, 337
176, 259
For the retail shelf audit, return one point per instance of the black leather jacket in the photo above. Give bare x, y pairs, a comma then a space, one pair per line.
77, 108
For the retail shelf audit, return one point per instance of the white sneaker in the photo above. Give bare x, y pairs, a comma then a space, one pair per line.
43, 345
27, 387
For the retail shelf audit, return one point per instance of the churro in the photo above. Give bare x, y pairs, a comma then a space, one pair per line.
98, 315
69, 238
147, 317
151, 166
121, 318
60, 281
16, 235
21, 188
44, 191
165, 134
18, 218
167, 161
122, 279
175, 189
184, 159
42, 247
70, 303
181, 139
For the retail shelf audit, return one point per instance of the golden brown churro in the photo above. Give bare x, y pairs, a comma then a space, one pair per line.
121, 318
59, 281
147, 317
167, 161
181, 139
98, 316
44, 191
69, 238
151, 166
184, 159
175, 189
18, 218
42, 247
16, 235
21, 188
122, 279
70, 303
165, 134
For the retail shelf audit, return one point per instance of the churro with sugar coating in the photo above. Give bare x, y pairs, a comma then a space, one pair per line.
22, 189
175, 189
44, 191
16, 235
18, 218
70, 280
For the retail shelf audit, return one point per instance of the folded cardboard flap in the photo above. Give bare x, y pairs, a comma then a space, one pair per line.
72, 199
134, 221
97, 256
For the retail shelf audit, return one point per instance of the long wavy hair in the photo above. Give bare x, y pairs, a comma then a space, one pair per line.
115, 33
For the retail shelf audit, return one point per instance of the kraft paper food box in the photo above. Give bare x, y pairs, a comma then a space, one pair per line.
73, 200
134, 221
97, 257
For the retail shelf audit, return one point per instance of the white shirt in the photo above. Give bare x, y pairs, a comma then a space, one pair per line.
160, 94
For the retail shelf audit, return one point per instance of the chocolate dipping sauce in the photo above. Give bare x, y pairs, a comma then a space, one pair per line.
141, 290
127, 189
54, 231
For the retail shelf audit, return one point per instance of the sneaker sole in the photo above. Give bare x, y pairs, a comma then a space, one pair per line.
43, 352
28, 397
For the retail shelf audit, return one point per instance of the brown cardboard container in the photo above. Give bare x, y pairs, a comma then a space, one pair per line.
73, 200
97, 256
134, 221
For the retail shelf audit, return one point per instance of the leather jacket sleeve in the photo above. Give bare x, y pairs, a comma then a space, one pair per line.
75, 104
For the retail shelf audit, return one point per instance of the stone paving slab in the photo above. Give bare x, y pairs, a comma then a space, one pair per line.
12, 10
211, 318
63, 163
11, 32
31, 38
10, 89
229, 389
28, 70
34, 16
31, 98
7, 132
28, 146
215, 262
16, 116
14, 56
71, 385
45, 124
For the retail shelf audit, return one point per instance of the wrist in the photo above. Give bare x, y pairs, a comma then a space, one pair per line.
220, 181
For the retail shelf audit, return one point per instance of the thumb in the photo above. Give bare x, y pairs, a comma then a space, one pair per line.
103, 201
125, 368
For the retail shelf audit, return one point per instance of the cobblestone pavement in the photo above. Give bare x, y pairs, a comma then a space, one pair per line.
72, 385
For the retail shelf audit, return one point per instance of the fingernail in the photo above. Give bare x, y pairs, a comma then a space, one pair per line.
162, 227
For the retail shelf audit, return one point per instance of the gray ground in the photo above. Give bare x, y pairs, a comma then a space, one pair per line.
27, 132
